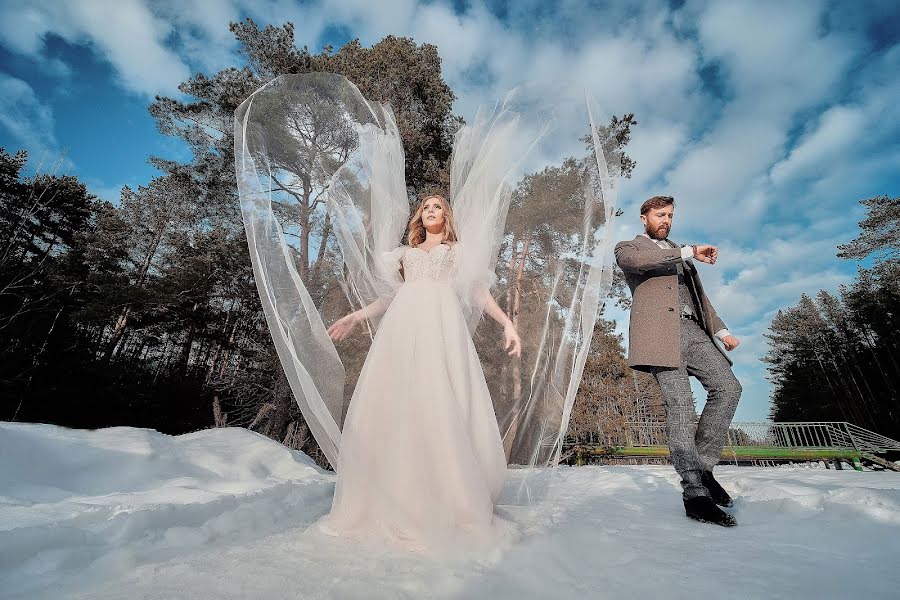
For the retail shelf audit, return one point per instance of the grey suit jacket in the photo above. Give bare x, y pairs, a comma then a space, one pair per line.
654, 331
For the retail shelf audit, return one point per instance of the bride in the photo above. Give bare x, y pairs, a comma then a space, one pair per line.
421, 456
439, 407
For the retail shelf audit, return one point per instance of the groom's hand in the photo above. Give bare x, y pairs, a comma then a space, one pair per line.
706, 253
730, 342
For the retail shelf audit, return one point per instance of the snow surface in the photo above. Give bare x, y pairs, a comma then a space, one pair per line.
132, 513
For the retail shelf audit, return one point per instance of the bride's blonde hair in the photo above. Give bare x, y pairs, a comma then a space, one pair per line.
415, 234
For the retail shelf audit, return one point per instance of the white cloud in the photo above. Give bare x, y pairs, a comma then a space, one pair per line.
838, 128
132, 39
29, 121
777, 65
110, 193
200, 31
57, 68
850, 144
654, 145
125, 33
24, 26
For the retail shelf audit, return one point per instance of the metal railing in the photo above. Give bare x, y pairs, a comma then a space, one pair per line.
824, 435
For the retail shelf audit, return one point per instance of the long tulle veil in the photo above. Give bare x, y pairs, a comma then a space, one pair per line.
319, 166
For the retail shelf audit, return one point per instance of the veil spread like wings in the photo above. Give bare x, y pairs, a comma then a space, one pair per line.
321, 179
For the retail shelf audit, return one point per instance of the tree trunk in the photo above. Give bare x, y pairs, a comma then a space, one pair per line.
516, 362
228, 348
163, 360
517, 305
304, 240
122, 321
220, 347
320, 256
507, 308
188, 344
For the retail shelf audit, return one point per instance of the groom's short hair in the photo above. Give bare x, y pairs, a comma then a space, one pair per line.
657, 202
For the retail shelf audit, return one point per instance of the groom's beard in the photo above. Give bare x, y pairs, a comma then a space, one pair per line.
660, 233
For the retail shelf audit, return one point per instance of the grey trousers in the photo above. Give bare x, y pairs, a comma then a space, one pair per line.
693, 451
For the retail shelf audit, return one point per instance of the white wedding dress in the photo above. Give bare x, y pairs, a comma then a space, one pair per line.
421, 459
418, 451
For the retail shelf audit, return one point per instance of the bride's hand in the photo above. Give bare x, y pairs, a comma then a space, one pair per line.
511, 338
343, 326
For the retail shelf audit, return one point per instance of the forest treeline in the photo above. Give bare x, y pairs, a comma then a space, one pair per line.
144, 311
837, 358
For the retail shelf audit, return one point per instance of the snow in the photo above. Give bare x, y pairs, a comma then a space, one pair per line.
222, 513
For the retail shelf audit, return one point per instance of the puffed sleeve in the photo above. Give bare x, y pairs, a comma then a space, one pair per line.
390, 263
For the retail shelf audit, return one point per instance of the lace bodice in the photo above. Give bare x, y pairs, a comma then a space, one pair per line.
437, 264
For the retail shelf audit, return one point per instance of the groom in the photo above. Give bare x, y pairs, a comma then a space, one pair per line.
671, 335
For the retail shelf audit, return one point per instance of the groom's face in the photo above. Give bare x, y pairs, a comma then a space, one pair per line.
658, 222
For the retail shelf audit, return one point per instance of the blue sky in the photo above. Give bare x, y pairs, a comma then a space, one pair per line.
767, 121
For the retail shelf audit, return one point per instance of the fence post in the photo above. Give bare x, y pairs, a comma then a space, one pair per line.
856, 462
731, 445
850, 435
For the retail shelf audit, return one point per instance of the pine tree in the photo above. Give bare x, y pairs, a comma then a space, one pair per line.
837, 358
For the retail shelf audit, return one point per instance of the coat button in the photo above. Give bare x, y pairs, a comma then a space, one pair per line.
671, 310
668, 287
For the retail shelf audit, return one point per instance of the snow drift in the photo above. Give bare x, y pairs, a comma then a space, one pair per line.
132, 513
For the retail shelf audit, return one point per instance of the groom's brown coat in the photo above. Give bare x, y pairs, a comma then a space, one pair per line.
654, 331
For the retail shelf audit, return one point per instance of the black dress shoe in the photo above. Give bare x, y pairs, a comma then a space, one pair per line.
703, 509
716, 491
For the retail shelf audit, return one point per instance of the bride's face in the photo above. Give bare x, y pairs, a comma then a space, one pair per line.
433, 214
